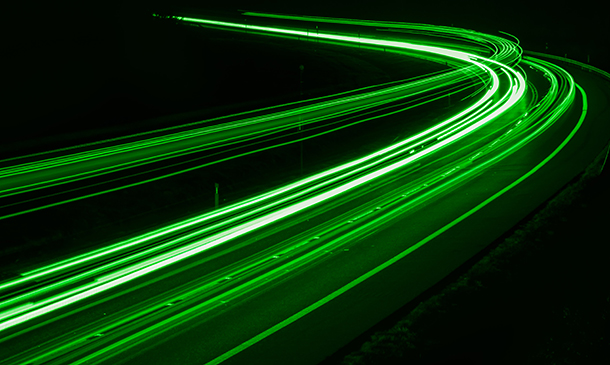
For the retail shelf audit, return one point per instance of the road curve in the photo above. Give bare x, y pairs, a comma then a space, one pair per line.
313, 264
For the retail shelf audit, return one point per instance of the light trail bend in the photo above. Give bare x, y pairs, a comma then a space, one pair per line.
362, 196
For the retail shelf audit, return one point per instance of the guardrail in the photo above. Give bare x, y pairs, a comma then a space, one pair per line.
590, 69
577, 63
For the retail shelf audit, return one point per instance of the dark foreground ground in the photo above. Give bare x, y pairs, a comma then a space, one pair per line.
539, 295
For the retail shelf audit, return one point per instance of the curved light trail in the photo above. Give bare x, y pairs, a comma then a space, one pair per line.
505, 113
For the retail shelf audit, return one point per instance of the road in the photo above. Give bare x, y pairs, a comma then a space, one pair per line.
294, 274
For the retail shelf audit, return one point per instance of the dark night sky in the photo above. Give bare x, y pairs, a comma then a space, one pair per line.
66, 57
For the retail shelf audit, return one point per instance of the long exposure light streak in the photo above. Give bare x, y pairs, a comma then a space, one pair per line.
67, 167
476, 118
403, 254
499, 121
474, 108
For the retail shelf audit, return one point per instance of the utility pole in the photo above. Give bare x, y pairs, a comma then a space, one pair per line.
301, 68
301, 143
216, 196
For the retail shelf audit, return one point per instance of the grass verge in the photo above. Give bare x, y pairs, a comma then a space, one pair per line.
539, 296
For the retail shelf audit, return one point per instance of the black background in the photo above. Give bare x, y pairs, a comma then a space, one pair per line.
67, 59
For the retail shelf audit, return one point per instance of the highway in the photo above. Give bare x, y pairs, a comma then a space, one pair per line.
292, 274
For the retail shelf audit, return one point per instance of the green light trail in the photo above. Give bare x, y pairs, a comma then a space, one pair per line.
223, 357
66, 165
497, 123
481, 102
472, 118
